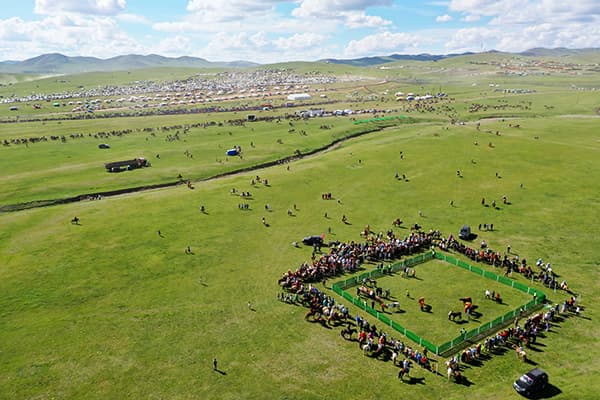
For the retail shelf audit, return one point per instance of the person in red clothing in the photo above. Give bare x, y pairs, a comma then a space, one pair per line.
362, 338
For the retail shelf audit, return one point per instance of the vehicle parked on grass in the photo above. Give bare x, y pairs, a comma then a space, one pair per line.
313, 240
531, 382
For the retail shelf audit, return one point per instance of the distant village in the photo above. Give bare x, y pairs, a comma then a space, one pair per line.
204, 88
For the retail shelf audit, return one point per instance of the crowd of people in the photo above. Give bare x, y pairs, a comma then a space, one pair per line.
512, 262
372, 342
347, 257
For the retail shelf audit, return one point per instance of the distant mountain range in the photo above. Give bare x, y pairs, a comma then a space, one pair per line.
377, 60
559, 52
56, 63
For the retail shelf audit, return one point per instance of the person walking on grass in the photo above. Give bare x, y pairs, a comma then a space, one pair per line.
215, 364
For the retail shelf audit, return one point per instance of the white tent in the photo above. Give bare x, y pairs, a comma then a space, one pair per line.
298, 96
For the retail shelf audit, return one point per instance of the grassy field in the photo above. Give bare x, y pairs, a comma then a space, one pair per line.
45, 170
111, 309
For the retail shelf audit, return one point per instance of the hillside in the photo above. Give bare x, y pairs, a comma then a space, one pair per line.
56, 63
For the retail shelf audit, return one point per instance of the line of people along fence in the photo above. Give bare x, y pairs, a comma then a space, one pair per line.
340, 287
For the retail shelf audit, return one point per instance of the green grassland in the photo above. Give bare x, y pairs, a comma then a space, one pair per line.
56, 169
110, 309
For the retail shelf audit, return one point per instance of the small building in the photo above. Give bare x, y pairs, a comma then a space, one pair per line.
299, 96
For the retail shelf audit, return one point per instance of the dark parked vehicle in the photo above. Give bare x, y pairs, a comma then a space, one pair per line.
465, 232
312, 240
532, 382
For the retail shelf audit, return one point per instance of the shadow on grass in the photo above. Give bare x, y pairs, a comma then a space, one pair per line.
549, 392
530, 362
465, 381
413, 381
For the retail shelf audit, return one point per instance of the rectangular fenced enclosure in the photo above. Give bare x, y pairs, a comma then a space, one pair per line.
443, 287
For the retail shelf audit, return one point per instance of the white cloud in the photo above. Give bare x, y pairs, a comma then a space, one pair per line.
473, 39
523, 37
328, 8
471, 18
174, 46
230, 10
511, 12
133, 18
384, 42
299, 41
443, 18
234, 16
517, 25
88, 7
349, 12
259, 40
70, 34
361, 20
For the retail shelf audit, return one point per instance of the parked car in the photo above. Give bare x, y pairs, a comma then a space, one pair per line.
532, 382
312, 240
465, 232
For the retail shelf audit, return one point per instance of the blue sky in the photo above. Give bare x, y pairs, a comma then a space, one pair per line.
279, 30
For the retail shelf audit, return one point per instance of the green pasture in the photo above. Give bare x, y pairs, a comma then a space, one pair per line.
436, 281
111, 309
55, 169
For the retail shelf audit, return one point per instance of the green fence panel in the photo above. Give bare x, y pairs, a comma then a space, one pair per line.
509, 315
399, 327
471, 333
413, 336
336, 288
444, 347
505, 280
430, 346
347, 296
520, 286
489, 275
476, 270
384, 319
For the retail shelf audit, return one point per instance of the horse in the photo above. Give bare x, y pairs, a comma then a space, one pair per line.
457, 375
453, 314
313, 312
347, 332
401, 373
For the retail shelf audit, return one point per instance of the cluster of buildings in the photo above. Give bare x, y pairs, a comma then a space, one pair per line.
230, 85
